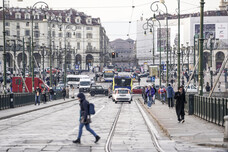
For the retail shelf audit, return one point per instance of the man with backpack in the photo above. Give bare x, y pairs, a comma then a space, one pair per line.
85, 120
162, 93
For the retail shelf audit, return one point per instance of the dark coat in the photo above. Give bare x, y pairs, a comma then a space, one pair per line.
51, 91
84, 107
64, 92
180, 101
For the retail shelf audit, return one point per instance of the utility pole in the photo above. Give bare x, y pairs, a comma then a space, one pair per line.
194, 57
201, 39
14, 53
178, 49
50, 55
4, 46
23, 62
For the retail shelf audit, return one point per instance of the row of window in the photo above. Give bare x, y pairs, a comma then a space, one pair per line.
89, 45
68, 19
37, 34
53, 25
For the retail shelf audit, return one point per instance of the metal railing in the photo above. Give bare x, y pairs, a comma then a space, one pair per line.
21, 99
210, 109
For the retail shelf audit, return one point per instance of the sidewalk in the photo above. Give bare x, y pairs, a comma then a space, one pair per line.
193, 130
4, 114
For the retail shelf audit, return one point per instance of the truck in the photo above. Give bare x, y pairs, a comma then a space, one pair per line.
153, 71
17, 84
84, 85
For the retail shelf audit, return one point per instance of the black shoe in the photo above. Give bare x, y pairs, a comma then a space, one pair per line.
183, 121
77, 141
97, 139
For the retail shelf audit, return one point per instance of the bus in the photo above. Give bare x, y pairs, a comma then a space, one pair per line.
73, 80
108, 75
122, 81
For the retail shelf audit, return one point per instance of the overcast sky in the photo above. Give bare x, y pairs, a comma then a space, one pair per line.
116, 14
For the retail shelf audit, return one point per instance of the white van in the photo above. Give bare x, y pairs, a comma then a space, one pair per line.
84, 85
75, 79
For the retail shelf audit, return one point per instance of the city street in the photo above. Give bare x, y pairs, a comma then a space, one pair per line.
54, 128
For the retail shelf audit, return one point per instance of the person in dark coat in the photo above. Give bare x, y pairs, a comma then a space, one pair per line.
180, 101
208, 88
84, 119
37, 95
64, 93
170, 94
51, 92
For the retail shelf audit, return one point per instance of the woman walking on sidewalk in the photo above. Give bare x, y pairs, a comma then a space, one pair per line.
64, 93
150, 93
180, 101
84, 119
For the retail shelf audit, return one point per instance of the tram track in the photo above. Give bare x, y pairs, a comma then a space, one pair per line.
150, 128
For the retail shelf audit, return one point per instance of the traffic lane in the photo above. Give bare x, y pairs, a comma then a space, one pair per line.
39, 129
131, 133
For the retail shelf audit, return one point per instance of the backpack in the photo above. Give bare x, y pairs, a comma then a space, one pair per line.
155, 90
91, 109
162, 91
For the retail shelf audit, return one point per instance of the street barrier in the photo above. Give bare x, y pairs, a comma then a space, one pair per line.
210, 109
4, 101
13, 100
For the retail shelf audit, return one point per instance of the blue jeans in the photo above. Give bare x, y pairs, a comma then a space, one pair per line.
87, 128
149, 101
51, 97
37, 100
162, 97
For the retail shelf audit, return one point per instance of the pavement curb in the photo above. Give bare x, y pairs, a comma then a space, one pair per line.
21, 113
158, 122
225, 145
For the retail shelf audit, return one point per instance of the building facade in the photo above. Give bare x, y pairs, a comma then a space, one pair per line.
125, 53
215, 25
82, 36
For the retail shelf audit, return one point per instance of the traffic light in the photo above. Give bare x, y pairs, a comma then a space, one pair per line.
113, 54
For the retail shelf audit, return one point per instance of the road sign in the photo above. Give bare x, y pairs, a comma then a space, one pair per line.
76, 67
164, 67
152, 79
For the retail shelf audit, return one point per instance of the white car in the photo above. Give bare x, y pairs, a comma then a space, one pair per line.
122, 95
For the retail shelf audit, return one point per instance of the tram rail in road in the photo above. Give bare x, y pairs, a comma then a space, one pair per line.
151, 129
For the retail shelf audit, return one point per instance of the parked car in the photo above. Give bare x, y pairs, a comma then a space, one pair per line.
146, 74
137, 90
121, 95
97, 89
148, 79
137, 71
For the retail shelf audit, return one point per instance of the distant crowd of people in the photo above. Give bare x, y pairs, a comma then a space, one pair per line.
149, 93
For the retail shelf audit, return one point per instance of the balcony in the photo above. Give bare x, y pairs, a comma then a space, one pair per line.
90, 49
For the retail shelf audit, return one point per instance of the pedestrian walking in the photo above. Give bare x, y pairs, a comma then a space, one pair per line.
85, 119
64, 93
180, 101
144, 94
67, 92
44, 95
51, 93
72, 90
139, 79
162, 93
208, 88
219, 87
170, 95
155, 90
37, 95
150, 93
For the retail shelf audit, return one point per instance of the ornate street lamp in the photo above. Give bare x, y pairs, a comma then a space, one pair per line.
32, 46
167, 35
43, 53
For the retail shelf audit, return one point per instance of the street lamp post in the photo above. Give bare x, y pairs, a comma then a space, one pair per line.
43, 52
32, 46
167, 36
213, 43
178, 47
4, 45
201, 39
